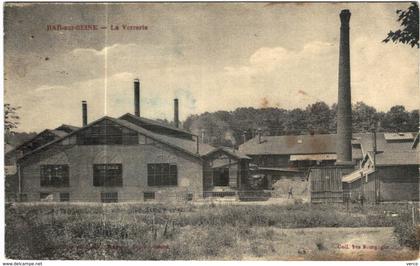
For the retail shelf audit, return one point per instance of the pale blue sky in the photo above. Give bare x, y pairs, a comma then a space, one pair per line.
211, 56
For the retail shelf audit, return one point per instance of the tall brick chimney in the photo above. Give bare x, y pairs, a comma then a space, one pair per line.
137, 97
84, 113
176, 113
344, 123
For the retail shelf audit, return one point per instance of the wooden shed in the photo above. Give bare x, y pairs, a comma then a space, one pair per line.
326, 185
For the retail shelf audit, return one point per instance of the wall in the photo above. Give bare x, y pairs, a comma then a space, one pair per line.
134, 159
326, 184
271, 160
399, 183
395, 183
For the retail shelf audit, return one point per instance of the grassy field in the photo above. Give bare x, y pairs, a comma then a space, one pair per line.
210, 231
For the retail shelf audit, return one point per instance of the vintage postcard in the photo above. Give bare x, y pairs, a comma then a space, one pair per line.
211, 131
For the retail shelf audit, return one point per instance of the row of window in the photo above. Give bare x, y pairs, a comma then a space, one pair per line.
106, 133
106, 197
109, 175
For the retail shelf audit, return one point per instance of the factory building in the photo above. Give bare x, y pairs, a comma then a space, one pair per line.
389, 170
129, 158
344, 166
294, 155
12, 155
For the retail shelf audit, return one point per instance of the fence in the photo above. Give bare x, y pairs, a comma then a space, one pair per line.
326, 185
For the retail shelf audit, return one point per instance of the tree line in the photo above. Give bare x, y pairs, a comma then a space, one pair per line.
234, 127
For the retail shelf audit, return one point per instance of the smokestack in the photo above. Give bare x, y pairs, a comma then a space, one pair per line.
344, 127
84, 113
137, 97
176, 113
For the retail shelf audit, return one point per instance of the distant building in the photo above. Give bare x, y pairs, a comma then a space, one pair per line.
394, 168
293, 155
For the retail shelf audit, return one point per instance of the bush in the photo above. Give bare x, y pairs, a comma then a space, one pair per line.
408, 235
130, 231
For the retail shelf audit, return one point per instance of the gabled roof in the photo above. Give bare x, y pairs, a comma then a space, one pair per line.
7, 147
399, 136
384, 145
187, 146
390, 151
294, 144
156, 126
356, 175
235, 154
407, 157
67, 128
416, 141
58, 132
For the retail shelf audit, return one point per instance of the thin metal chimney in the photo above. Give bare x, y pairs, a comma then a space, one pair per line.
259, 135
176, 113
84, 113
203, 135
137, 97
344, 123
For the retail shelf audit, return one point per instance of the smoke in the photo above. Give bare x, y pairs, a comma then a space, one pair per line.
229, 136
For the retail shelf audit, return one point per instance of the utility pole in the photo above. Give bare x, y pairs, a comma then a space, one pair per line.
375, 150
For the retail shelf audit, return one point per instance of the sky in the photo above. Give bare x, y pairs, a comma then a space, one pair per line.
212, 56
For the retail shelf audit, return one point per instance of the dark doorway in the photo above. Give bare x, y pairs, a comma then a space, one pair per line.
221, 177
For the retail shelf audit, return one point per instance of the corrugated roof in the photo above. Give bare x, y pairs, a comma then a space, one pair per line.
389, 158
299, 144
367, 143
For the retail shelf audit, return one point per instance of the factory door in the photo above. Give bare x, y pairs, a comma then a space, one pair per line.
221, 176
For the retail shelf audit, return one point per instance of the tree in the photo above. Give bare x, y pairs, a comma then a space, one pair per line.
364, 117
232, 128
332, 128
11, 119
319, 116
296, 122
409, 32
414, 121
397, 119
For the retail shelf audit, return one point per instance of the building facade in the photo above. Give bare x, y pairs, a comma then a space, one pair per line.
389, 171
127, 159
